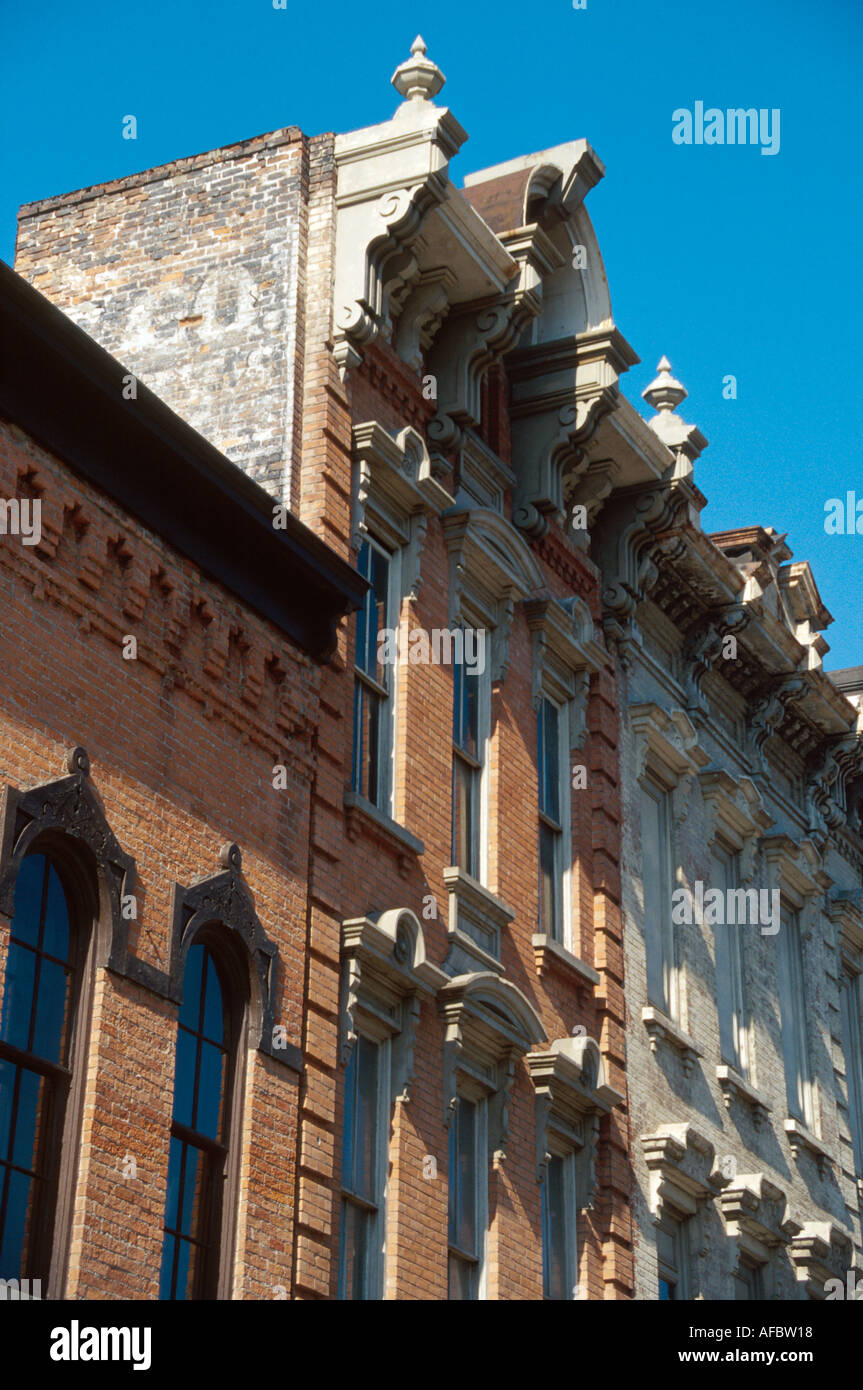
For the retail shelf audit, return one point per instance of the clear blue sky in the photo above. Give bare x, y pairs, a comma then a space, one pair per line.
726, 260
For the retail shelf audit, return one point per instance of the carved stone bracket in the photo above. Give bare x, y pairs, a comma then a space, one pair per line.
705, 647
565, 655
385, 978
394, 492
735, 812
667, 749
572, 1095
754, 1211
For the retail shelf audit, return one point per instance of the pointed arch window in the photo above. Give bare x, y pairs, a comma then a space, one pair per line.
39, 1039
201, 1172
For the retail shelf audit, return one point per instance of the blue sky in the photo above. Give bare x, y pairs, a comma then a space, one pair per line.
728, 261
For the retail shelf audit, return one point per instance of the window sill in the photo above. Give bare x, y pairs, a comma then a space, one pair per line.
733, 1084
802, 1139
661, 1029
361, 815
477, 920
551, 955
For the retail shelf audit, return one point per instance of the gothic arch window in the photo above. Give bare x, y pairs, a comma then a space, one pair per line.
42, 1039
202, 1168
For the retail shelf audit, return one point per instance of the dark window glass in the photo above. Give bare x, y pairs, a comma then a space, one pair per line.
360, 1194
464, 1234
554, 1231
372, 681
199, 1143
467, 770
35, 1042
550, 820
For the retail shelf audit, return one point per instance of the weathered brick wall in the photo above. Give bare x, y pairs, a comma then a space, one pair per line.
359, 870
182, 742
192, 275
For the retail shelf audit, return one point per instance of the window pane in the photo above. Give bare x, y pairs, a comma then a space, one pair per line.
18, 996
32, 1090
463, 1280
359, 1147
463, 1177
29, 887
554, 1230
549, 760
211, 1086
368, 714
354, 1252
729, 982
214, 1021
465, 848
657, 920
14, 1239
375, 567
196, 1171
792, 1008
184, 1078
190, 1009
549, 846
56, 932
174, 1164
193, 1193
466, 710
52, 997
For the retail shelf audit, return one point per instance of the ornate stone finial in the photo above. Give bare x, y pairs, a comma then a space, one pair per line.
77, 761
418, 79
231, 858
664, 393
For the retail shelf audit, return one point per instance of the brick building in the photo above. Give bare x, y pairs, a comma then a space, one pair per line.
376, 347
159, 662
507, 1090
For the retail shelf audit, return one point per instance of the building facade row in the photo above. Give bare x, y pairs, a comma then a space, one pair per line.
532, 964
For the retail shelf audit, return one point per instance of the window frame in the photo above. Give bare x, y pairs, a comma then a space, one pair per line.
373, 1290
561, 1151
561, 925
48, 1259
660, 938
478, 773
851, 1013
675, 1274
738, 1018
477, 1096
387, 697
216, 1280
795, 1042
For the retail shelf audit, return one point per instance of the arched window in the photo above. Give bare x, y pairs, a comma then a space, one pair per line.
41, 999
201, 1172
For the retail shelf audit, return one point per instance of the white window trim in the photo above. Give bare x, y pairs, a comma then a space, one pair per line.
388, 761
564, 656
668, 757
470, 1090
563, 868
740, 1017
378, 1225
560, 1148
795, 869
